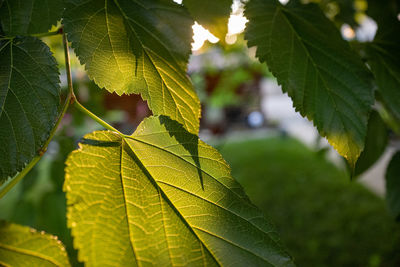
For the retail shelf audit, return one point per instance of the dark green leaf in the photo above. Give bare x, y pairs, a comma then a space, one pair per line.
22, 17
375, 143
162, 197
29, 101
393, 185
327, 82
383, 11
24, 246
137, 46
384, 59
211, 14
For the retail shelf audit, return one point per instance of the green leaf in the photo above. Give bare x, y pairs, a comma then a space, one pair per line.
384, 12
384, 59
211, 14
137, 46
393, 185
29, 101
327, 82
375, 143
162, 197
22, 17
23, 246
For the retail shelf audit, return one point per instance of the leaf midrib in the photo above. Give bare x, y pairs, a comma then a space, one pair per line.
187, 224
126, 205
188, 162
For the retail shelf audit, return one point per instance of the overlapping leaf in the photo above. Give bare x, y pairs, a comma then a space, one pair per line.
375, 143
384, 59
137, 46
162, 197
327, 82
22, 17
29, 101
393, 185
213, 15
24, 246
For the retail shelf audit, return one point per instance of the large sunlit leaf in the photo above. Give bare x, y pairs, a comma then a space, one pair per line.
137, 46
393, 185
384, 59
29, 101
24, 246
375, 143
162, 197
22, 17
327, 81
213, 15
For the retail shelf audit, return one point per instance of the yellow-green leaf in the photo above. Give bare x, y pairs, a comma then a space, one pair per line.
137, 46
24, 246
162, 197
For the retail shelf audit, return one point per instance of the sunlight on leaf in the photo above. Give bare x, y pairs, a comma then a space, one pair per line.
140, 200
24, 246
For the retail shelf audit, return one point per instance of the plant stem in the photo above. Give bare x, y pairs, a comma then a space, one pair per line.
44, 34
19, 176
95, 118
74, 99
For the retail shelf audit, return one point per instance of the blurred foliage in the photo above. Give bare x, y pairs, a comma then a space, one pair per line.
323, 218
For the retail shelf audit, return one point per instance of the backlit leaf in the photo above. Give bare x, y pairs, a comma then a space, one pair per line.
22, 17
211, 14
162, 197
137, 46
24, 246
327, 82
29, 101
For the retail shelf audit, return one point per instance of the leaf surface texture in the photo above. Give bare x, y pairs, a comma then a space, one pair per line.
22, 17
327, 82
137, 46
29, 101
24, 246
162, 197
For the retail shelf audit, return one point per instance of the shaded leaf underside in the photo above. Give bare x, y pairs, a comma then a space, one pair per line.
327, 82
22, 17
141, 200
393, 185
22, 246
375, 143
384, 59
211, 14
137, 46
29, 101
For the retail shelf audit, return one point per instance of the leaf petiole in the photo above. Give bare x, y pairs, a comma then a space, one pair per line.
95, 117
71, 90
45, 34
